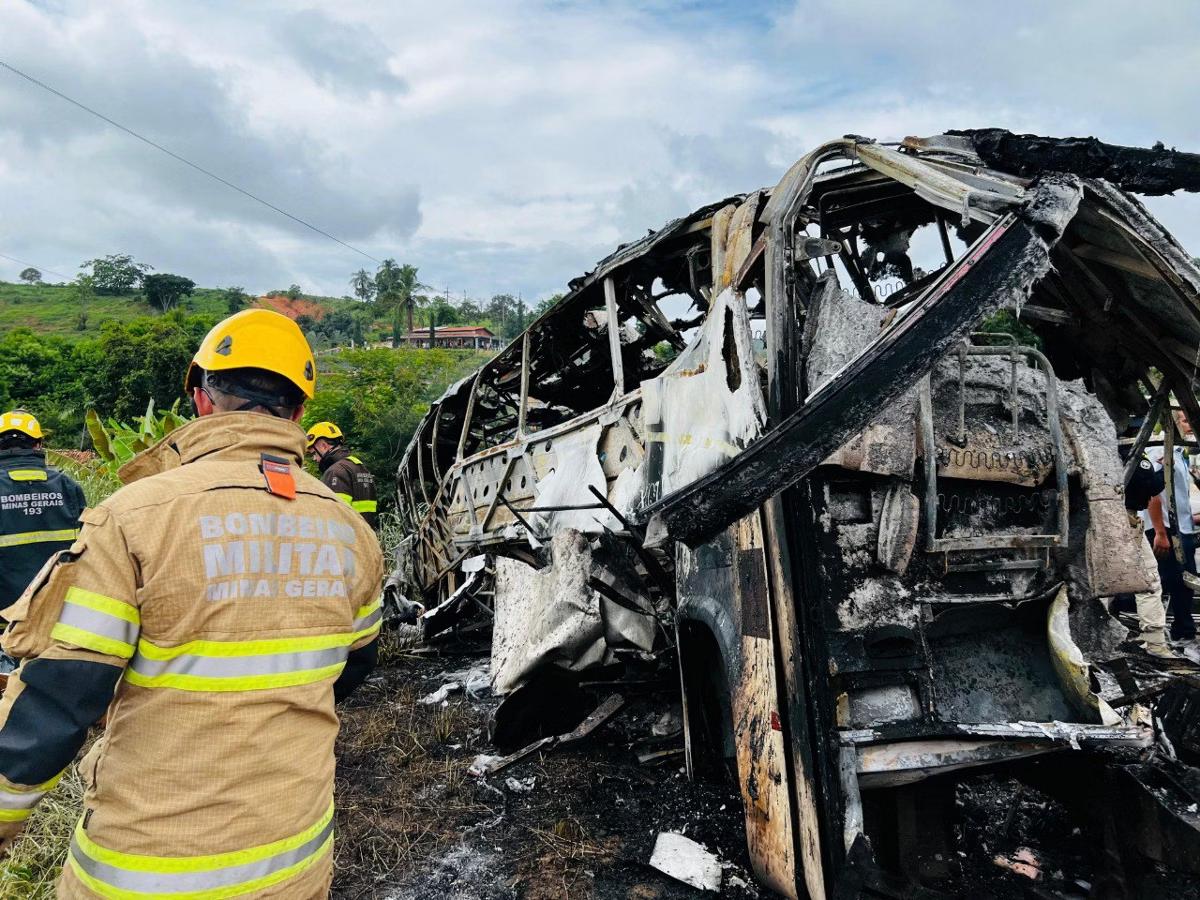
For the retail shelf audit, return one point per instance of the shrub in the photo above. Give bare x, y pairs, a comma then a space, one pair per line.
377, 397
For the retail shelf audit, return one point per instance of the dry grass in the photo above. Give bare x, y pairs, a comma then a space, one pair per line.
403, 794
568, 842
30, 871
561, 860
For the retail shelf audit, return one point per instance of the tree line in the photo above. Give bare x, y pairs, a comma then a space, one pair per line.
116, 372
119, 274
395, 289
376, 396
392, 295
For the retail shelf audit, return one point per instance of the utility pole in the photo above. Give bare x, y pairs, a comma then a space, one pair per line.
433, 311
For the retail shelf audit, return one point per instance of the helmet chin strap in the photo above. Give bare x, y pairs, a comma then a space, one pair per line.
195, 406
253, 398
255, 404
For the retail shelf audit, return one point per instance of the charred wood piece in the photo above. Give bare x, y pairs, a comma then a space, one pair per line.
1154, 171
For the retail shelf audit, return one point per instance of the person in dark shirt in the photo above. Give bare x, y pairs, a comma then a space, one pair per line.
1145, 484
341, 471
39, 510
1173, 536
39, 505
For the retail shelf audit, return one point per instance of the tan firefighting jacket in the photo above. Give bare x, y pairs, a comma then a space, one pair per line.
229, 612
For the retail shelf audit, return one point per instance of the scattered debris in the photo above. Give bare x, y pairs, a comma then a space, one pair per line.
439, 696
475, 683
485, 764
412, 825
460, 603
667, 725
685, 860
1023, 863
464, 873
520, 786
605, 711
660, 757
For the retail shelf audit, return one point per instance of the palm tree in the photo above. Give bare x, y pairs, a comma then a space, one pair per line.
408, 287
396, 286
363, 285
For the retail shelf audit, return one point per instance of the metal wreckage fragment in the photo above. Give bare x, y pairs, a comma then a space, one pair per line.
846, 452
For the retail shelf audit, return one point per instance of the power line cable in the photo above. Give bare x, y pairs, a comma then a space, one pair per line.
32, 266
184, 160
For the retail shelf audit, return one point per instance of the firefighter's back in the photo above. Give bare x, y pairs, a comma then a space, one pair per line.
353, 482
215, 772
39, 515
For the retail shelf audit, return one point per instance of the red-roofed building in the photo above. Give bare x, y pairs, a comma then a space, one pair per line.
454, 337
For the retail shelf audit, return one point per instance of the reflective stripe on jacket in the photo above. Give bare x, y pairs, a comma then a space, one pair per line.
126, 875
39, 516
228, 613
345, 475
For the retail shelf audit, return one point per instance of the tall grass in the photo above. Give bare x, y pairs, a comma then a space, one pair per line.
391, 531
97, 481
37, 857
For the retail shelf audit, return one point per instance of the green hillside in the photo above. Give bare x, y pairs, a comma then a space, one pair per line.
128, 354
61, 356
51, 309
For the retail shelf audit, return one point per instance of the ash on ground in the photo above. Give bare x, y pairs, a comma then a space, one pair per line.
581, 822
578, 822
1014, 841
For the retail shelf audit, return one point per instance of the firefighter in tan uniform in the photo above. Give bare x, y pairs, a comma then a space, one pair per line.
215, 607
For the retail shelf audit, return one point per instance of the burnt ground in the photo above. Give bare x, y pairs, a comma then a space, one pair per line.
581, 822
1002, 822
414, 825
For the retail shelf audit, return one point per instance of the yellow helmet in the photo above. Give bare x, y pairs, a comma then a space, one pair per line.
24, 422
324, 430
256, 339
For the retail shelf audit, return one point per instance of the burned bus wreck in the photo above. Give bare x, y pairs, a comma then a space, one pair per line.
848, 448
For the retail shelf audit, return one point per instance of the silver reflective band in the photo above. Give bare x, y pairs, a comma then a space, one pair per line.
368, 621
156, 883
95, 622
22, 799
238, 666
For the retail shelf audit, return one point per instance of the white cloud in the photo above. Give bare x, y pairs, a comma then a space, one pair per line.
506, 146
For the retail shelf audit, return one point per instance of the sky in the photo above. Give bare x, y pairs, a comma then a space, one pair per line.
506, 147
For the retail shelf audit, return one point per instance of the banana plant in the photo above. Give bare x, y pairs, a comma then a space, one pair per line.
117, 442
